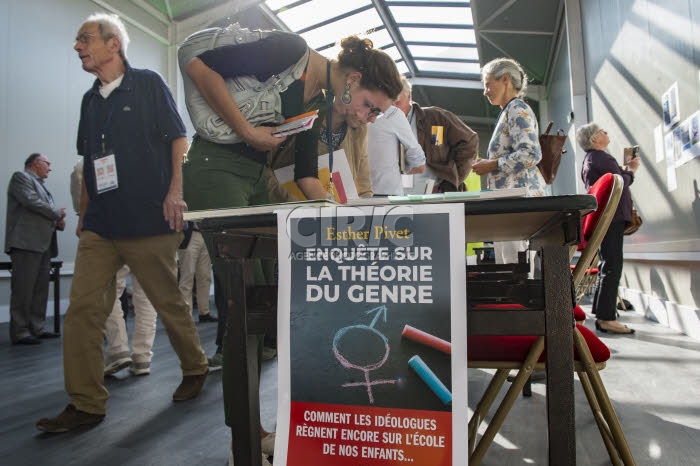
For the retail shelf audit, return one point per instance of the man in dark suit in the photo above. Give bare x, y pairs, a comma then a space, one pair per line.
30, 241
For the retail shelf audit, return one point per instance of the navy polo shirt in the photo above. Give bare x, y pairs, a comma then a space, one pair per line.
139, 121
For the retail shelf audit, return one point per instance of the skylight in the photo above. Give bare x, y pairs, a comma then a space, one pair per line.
426, 39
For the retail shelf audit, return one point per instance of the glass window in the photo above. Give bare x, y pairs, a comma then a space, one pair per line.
431, 51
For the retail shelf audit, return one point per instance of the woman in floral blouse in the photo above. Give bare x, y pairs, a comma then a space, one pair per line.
514, 150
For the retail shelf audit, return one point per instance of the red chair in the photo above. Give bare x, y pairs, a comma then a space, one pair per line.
585, 271
526, 353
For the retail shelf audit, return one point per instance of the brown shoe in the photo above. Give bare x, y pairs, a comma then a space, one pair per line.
190, 387
71, 418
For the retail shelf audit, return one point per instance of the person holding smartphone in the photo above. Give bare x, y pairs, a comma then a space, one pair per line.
597, 162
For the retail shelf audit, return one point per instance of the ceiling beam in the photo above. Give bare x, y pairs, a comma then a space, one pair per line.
132, 21
274, 19
506, 54
513, 31
475, 13
388, 20
441, 82
153, 11
168, 9
534, 91
555, 47
496, 13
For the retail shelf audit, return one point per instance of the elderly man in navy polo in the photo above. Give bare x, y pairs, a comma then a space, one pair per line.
133, 142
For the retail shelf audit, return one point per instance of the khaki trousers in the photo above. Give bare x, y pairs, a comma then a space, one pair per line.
152, 261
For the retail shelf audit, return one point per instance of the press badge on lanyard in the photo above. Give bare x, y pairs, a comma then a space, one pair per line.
105, 170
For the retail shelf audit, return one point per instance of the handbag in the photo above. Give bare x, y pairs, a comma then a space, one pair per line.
552, 148
634, 225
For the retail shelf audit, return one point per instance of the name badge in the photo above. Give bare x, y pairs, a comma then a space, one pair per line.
436, 134
106, 173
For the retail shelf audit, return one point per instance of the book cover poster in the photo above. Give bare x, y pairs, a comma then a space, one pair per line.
689, 135
372, 336
669, 104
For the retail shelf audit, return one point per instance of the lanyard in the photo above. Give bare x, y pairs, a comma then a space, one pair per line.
105, 128
329, 121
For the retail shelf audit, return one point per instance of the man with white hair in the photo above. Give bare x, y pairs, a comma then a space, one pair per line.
133, 142
450, 146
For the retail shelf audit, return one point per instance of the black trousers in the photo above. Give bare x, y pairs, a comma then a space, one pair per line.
610, 271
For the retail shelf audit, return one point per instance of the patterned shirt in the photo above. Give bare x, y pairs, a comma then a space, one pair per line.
515, 144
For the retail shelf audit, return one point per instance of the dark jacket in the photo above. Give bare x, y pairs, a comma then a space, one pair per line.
451, 161
596, 164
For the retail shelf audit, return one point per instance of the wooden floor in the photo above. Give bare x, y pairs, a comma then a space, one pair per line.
653, 380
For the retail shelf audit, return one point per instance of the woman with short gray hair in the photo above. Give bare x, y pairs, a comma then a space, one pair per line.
585, 134
597, 162
514, 150
500, 66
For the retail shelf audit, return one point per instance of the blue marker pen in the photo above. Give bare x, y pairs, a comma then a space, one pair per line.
430, 379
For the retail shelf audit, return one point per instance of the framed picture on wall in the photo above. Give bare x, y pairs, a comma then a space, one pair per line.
671, 110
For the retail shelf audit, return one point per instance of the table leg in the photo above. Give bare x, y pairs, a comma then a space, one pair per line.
240, 372
560, 370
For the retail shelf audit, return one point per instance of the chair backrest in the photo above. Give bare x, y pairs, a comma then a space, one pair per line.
594, 226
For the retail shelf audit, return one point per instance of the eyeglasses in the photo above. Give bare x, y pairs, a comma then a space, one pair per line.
84, 37
48, 164
374, 112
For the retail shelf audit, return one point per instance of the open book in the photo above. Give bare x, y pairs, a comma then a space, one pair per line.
296, 124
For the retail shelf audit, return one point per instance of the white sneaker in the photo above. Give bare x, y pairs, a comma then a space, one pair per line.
267, 444
265, 461
140, 368
117, 365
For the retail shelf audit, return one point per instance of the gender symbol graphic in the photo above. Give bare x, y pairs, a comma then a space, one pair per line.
371, 332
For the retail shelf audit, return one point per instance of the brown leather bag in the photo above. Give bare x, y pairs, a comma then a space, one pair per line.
552, 148
634, 225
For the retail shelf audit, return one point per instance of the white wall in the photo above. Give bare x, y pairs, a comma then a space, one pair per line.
633, 50
41, 86
557, 108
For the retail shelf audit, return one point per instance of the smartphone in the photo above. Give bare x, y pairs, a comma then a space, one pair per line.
631, 152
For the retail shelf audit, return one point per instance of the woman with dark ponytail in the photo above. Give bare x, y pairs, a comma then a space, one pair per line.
358, 76
362, 82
